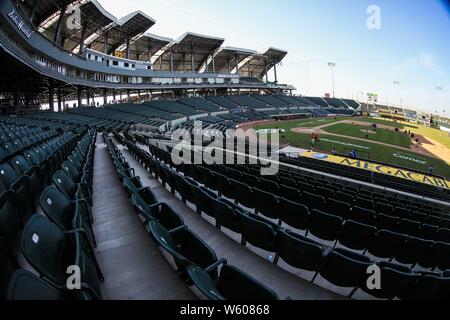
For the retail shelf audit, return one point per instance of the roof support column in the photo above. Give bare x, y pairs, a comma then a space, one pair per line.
267, 72
171, 61
236, 60
229, 66
105, 42
82, 38
33, 10
51, 98
88, 97
275, 72
16, 98
79, 93
149, 53
114, 95
161, 63
192, 61
57, 37
105, 98
128, 49
249, 70
59, 100
213, 60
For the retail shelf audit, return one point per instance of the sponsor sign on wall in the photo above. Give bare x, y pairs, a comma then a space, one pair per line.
379, 168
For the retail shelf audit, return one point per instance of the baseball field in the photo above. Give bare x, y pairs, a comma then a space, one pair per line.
400, 144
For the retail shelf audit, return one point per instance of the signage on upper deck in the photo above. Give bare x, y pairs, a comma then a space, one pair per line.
21, 25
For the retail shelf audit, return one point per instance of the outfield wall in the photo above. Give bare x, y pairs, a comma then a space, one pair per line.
380, 168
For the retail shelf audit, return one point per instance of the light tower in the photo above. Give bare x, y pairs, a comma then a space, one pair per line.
332, 65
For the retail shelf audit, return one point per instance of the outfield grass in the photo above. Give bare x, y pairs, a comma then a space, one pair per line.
400, 125
435, 134
381, 135
377, 152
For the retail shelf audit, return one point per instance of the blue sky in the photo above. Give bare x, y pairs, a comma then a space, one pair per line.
412, 46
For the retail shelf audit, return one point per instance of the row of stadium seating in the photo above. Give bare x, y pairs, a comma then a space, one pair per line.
328, 216
197, 263
155, 114
14, 141
368, 176
51, 243
147, 113
201, 104
173, 107
340, 267
24, 175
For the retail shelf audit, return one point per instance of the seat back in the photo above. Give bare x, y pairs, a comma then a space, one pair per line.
64, 183
8, 175
45, 247
294, 214
226, 216
356, 235
204, 283
56, 207
186, 248
259, 232
236, 285
298, 251
26, 286
10, 221
325, 226
346, 269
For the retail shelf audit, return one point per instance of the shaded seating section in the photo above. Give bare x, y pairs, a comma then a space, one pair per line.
318, 101
273, 101
336, 103
201, 104
173, 107
248, 101
106, 118
156, 118
186, 249
14, 139
351, 103
313, 230
59, 238
223, 102
295, 101
156, 114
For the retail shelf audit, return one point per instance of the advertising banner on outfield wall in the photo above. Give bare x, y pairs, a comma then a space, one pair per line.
383, 169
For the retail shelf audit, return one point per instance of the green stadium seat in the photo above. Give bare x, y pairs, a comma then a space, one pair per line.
259, 232
25, 286
67, 215
232, 284
50, 251
298, 251
355, 235
184, 246
345, 269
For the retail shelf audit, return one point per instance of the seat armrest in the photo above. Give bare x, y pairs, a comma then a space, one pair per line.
216, 265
